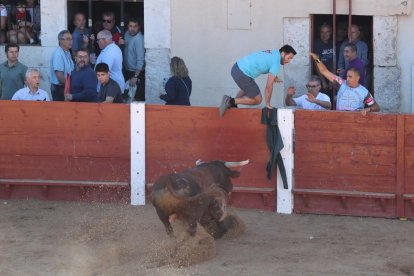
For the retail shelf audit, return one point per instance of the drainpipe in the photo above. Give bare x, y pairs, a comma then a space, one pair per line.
334, 36
90, 14
122, 16
350, 20
334, 50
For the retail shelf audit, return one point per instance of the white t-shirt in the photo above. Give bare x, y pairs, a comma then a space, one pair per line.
3, 10
24, 94
303, 103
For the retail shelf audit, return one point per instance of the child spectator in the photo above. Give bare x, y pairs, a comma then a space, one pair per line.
22, 27
3, 23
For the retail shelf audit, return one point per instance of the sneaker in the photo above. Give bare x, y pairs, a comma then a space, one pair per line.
225, 104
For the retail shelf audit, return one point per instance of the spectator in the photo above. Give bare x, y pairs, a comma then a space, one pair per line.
83, 80
314, 99
12, 72
111, 54
108, 23
61, 65
22, 27
178, 87
82, 36
341, 35
32, 92
3, 23
351, 95
134, 53
34, 9
324, 48
362, 48
109, 91
246, 69
352, 60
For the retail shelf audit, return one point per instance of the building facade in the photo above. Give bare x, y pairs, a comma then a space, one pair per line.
211, 35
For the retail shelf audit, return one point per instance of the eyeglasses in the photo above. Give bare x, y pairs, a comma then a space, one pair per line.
312, 86
100, 39
82, 57
67, 38
106, 21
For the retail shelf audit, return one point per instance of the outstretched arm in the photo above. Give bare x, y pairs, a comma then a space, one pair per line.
322, 68
289, 100
269, 88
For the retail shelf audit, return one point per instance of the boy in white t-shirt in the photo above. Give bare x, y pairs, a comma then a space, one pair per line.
313, 100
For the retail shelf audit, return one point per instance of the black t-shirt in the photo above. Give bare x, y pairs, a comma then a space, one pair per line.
111, 89
325, 51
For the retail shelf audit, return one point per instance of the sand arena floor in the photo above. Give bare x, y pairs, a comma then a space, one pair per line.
72, 238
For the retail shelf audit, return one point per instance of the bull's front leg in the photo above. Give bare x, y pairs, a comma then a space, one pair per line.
165, 219
192, 227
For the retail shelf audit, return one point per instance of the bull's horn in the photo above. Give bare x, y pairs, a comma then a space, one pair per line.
199, 162
236, 164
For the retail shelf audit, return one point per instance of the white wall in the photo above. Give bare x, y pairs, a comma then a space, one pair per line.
405, 55
201, 36
198, 31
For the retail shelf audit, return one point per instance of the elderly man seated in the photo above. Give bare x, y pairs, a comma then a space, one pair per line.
314, 99
32, 92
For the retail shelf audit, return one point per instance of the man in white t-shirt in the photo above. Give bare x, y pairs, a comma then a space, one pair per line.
314, 99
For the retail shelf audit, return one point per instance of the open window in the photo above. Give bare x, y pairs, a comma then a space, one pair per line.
93, 11
365, 24
20, 22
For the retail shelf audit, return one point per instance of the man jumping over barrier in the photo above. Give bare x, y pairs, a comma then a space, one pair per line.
246, 69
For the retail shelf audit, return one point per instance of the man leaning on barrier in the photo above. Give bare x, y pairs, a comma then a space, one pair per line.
351, 95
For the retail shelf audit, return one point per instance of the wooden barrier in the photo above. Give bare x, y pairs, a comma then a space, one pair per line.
81, 151
64, 151
345, 163
178, 136
349, 164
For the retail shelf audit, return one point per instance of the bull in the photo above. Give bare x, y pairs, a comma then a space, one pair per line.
196, 195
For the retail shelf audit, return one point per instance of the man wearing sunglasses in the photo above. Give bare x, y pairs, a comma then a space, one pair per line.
108, 23
313, 99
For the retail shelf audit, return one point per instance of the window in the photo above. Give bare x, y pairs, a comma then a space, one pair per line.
20, 22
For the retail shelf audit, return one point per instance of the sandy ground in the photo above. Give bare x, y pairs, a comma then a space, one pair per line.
72, 238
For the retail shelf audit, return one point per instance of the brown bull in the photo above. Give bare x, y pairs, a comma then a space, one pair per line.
199, 194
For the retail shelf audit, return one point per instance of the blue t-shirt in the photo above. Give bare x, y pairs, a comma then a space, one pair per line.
61, 61
352, 98
259, 63
112, 55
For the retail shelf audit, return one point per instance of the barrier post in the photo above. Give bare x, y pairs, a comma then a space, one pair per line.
137, 117
285, 119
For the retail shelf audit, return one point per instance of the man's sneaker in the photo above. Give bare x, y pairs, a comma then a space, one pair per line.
225, 104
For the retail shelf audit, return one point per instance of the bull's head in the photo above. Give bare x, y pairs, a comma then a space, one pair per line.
228, 164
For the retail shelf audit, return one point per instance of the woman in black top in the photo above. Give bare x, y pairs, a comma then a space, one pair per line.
178, 87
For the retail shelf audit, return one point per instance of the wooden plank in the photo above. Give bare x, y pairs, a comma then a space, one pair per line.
400, 162
346, 182
66, 183
340, 117
64, 168
329, 154
63, 129
344, 127
340, 193
409, 130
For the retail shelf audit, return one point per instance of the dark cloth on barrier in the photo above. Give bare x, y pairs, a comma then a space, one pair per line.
274, 143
